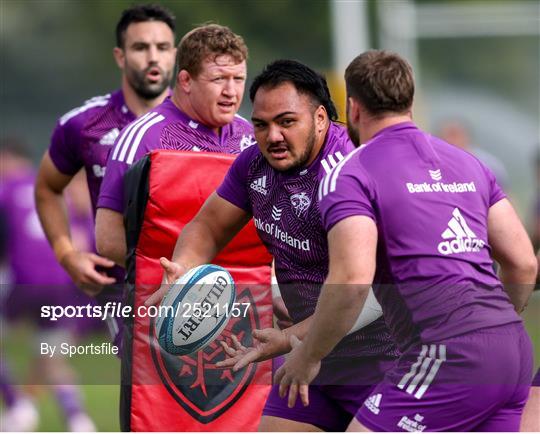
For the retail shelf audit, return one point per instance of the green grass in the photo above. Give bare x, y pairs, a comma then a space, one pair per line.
101, 403
98, 377
100, 374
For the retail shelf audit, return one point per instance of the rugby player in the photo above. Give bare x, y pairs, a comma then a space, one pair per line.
35, 279
276, 184
418, 218
83, 137
199, 116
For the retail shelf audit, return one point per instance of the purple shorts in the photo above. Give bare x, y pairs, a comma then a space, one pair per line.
475, 382
335, 395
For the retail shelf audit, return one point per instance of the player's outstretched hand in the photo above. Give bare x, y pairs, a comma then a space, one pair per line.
172, 272
81, 266
296, 374
269, 343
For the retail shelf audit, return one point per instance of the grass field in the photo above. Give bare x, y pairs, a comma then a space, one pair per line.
99, 374
98, 379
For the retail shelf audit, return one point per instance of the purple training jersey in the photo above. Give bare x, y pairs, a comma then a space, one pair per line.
287, 217
166, 127
84, 136
430, 201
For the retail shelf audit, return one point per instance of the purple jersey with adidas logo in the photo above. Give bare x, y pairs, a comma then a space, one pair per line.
430, 201
84, 136
166, 127
287, 217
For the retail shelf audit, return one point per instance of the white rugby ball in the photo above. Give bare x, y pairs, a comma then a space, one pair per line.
371, 311
195, 310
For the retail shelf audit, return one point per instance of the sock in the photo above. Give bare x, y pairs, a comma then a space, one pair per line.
69, 400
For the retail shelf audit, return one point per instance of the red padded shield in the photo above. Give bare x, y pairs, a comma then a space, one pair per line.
189, 393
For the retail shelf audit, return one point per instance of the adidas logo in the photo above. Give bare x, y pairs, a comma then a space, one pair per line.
110, 137
435, 174
259, 185
276, 213
463, 239
373, 403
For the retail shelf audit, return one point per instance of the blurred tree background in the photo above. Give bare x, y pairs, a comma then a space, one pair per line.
57, 53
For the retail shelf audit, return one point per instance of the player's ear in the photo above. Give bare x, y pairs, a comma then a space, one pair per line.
320, 118
119, 57
184, 81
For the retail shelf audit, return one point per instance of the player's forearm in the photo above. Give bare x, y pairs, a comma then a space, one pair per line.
518, 281
118, 252
52, 212
300, 329
196, 245
337, 310
111, 236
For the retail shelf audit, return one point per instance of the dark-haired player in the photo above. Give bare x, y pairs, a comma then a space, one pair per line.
276, 184
420, 219
83, 137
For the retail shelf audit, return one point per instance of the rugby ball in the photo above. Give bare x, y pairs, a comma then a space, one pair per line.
195, 310
371, 311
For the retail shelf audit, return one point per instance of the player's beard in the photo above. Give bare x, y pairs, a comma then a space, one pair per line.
142, 87
354, 134
302, 160
310, 144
